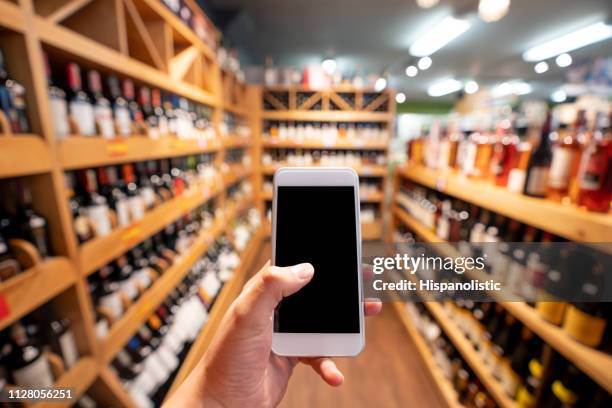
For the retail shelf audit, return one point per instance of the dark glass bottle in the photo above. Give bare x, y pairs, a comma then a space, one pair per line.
79, 104
536, 181
121, 112
32, 226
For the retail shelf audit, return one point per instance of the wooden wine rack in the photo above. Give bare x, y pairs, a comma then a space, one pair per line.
338, 104
142, 40
594, 363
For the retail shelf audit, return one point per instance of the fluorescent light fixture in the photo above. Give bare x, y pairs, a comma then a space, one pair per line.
444, 87
329, 65
426, 3
511, 88
424, 63
380, 84
400, 97
541, 67
493, 10
568, 42
471, 87
564, 60
558, 96
411, 71
437, 37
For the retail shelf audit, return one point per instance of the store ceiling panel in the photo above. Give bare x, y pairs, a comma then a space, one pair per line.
375, 35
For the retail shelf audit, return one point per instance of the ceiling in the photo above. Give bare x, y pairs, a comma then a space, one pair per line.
374, 35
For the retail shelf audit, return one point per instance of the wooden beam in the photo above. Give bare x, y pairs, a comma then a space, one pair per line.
379, 100
179, 65
273, 100
311, 100
66, 10
144, 34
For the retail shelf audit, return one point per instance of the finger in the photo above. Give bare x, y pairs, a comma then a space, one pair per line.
268, 287
372, 307
327, 370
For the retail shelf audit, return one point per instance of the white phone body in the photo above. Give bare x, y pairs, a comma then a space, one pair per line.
320, 344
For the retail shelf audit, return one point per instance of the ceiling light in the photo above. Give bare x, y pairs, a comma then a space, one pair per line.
329, 65
541, 67
424, 63
564, 60
444, 87
511, 88
471, 87
438, 36
380, 84
426, 3
493, 10
411, 71
568, 42
400, 97
558, 96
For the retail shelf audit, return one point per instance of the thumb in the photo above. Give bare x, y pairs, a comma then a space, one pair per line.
268, 287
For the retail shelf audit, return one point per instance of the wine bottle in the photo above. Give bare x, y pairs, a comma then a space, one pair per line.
63, 341
9, 266
12, 101
135, 199
96, 204
121, 111
102, 109
595, 174
31, 225
539, 163
148, 112
80, 107
566, 153
133, 107
27, 363
57, 102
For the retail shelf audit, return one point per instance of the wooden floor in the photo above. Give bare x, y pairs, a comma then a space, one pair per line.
389, 373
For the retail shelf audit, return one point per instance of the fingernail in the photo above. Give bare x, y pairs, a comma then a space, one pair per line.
303, 271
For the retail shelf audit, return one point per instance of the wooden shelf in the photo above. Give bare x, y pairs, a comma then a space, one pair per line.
86, 152
363, 171
35, 286
336, 88
233, 142
236, 173
23, 155
578, 224
80, 377
227, 295
470, 356
444, 386
237, 110
327, 116
340, 144
11, 16
99, 251
83, 47
594, 363
138, 312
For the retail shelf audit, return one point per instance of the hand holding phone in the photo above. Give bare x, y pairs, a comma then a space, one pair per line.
315, 219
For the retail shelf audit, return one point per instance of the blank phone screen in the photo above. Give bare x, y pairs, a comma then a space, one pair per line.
318, 225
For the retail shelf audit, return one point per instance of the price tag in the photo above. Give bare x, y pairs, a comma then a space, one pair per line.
178, 144
440, 184
5, 310
116, 147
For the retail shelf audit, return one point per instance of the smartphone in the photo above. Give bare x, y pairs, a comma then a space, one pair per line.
315, 218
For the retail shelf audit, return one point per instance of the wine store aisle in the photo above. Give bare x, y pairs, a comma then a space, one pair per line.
389, 373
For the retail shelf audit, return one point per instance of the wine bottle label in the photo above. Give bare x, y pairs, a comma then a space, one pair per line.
583, 327
122, 208
137, 207
8, 268
59, 117
163, 126
83, 115
100, 218
173, 342
595, 171
123, 120
516, 180
159, 372
443, 228
143, 277
141, 400
69, 349
168, 357
130, 288
537, 182
144, 383
469, 159
560, 167
104, 119
36, 374
148, 196
102, 328
113, 302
